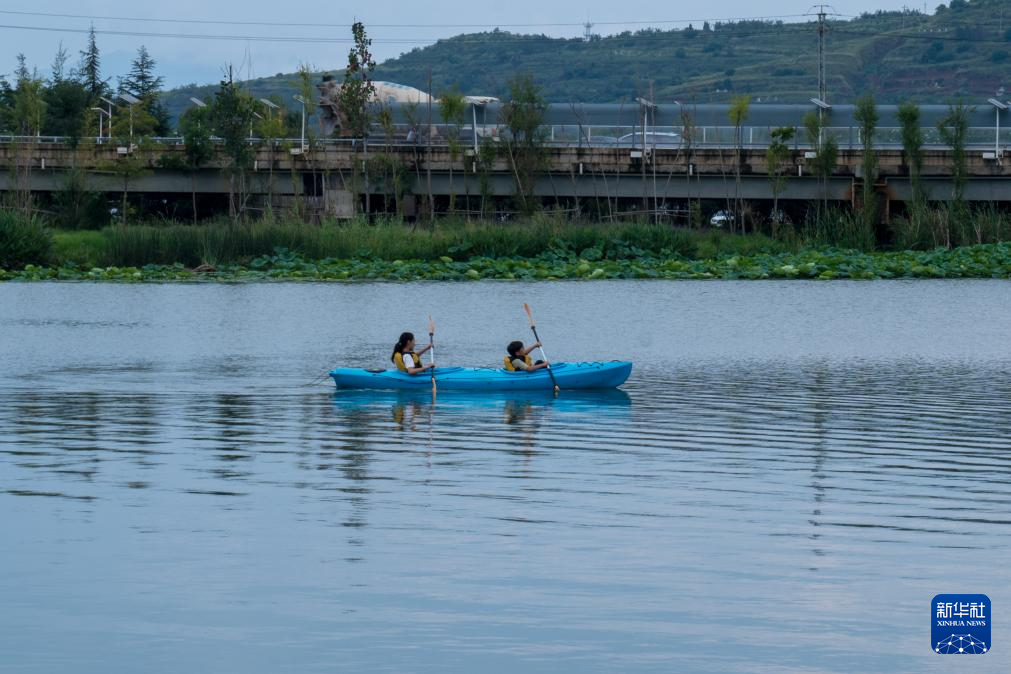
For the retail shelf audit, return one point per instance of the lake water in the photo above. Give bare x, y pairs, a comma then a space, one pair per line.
790, 475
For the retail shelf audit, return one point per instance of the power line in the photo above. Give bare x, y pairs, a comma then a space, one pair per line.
393, 25
665, 36
514, 38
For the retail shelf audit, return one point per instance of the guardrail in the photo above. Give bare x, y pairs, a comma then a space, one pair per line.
590, 136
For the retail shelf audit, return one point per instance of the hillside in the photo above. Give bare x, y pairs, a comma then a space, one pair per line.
962, 50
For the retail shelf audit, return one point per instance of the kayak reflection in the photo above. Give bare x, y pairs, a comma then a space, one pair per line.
413, 410
605, 401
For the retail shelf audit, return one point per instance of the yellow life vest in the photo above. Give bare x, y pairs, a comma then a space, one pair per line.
398, 360
508, 361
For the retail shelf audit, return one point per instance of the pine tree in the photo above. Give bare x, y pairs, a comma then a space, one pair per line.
142, 83
91, 68
59, 65
22, 74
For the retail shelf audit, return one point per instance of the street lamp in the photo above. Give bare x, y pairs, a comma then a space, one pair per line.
132, 100
302, 101
108, 114
101, 114
823, 109
271, 106
998, 108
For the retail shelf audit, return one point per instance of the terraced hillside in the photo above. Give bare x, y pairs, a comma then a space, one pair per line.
961, 50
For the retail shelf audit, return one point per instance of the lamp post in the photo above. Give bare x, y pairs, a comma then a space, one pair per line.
101, 115
998, 107
823, 109
108, 113
271, 106
132, 100
302, 101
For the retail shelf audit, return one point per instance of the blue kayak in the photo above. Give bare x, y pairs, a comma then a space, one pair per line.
568, 375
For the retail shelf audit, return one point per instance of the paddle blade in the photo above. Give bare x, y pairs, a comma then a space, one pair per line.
530, 315
431, 325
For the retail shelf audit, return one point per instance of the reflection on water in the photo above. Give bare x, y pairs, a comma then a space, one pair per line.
709, 512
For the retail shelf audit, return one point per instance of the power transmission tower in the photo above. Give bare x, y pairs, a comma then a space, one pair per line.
588, 31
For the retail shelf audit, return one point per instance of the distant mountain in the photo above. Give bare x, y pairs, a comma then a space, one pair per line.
963, 50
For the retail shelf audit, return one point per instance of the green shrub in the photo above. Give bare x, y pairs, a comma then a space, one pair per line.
84, 248
24, 240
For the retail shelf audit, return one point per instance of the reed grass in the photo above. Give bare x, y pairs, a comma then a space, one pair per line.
223, 242
24, 240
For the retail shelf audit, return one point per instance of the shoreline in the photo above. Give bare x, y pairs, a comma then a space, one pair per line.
977, 262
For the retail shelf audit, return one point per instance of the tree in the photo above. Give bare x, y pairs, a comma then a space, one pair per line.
131, 129
307, 91
195, 127
358, 89
67, 103
689, 131
954, 128
133, 123
91, 68
76, 206
738, 113
357, 92
912, 149
776, 157
866, 115
271, 127
452, 108
142, 83
826, 156
28, 111
59, 65
233, 115
523, 114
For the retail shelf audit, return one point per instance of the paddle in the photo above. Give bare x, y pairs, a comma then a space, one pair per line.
431, 348
530, 317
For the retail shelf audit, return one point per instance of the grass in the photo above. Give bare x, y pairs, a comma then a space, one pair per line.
222, 242
541, 248
24, 240
81, 248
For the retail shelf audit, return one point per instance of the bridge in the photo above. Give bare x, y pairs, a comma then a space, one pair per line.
638, 165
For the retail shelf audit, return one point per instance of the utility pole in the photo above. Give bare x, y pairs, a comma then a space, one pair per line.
821, 53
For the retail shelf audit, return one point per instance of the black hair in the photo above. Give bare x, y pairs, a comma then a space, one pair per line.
514, 347
405, 337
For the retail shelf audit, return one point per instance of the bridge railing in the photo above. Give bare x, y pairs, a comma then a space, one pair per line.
591, 136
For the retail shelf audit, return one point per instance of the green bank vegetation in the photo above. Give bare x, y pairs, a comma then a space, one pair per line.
541, 248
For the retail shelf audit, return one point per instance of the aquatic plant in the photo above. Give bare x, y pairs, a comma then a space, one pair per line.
980, 261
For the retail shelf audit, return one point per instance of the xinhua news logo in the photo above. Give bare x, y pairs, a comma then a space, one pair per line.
960, 624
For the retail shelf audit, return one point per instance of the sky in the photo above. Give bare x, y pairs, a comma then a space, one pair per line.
237, 31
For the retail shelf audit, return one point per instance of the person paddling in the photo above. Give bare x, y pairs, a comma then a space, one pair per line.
518, 357
406, 359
